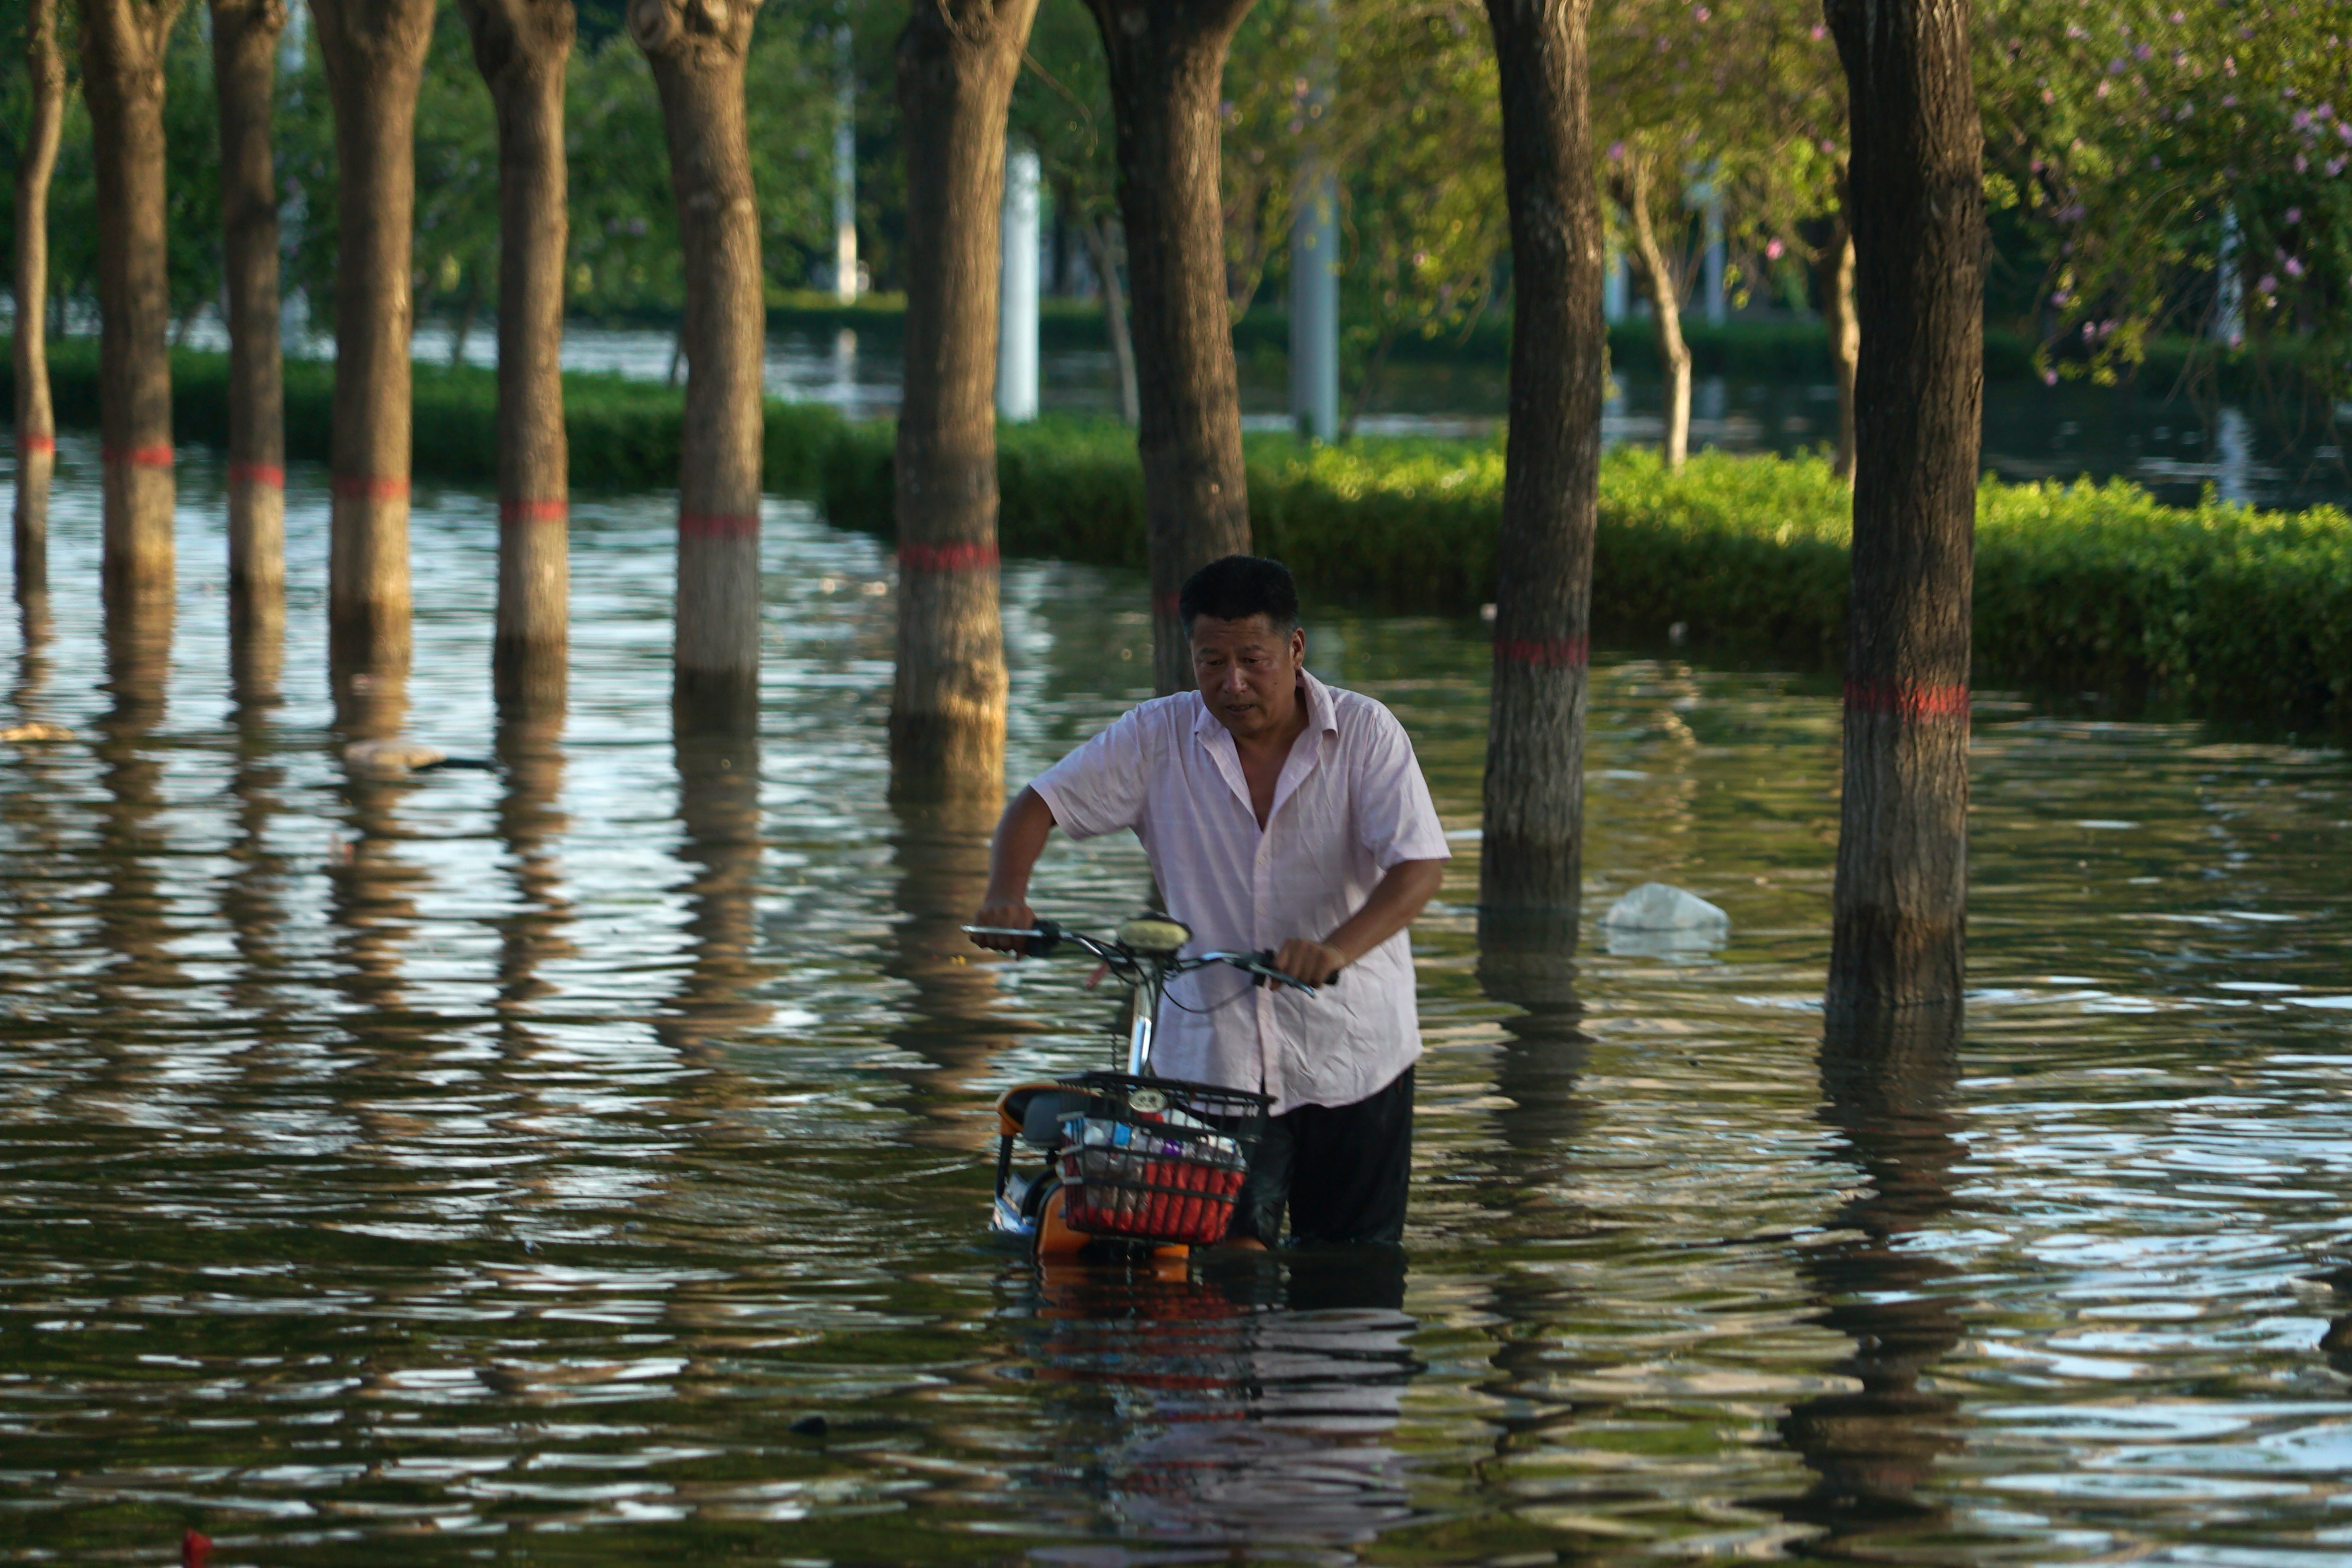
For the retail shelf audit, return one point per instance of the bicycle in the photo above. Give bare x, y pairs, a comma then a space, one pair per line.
1132, 1161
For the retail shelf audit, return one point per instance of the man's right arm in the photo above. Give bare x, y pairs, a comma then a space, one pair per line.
1012, 855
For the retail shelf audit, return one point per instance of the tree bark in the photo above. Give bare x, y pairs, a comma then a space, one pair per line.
375, 56
36, 427
122, 43
697, 49
1166, 61
245, 66
1530, 865
1664, 290
956, 65
1114, 305
1845, 340
1916, 207
523, 48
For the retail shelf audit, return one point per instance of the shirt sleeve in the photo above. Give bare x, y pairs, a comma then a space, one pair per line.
1395, 819
1101, 787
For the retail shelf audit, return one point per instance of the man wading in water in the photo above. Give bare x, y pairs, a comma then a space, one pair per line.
1278, 813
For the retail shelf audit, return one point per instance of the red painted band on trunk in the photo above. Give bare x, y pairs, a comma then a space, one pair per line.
946, 557
1907, 702
534, 511
1165, 605
268, 474
351, 487
718, 525
158, 457
1554, 653
37, 446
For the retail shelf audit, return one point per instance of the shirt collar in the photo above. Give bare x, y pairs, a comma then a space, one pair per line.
1322, 715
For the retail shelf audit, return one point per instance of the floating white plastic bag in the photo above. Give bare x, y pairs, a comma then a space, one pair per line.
1656, 920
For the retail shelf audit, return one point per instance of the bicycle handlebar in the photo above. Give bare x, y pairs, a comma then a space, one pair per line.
1046, 936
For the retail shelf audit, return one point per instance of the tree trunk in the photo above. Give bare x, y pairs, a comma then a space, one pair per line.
697, 49
122, 43
375, 56
522, 47
1530, 862
245, 66
1166, 61
1916, 207
37, 428
1664, 288
956, 66
1845, 340
1114, 306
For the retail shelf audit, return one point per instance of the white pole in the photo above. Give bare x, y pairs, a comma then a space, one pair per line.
2229, 300
1017, 321
1314, 268
1315, 311
1711, 218
844, 173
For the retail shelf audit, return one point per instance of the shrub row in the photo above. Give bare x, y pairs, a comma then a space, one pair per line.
2213, 610
2218, 611
625, 434
1765, 348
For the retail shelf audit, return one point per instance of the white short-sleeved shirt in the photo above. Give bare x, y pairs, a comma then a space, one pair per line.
1350, 804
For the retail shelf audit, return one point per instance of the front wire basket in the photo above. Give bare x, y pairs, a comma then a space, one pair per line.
1155, 1159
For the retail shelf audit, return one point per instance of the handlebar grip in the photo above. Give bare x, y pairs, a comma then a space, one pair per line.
1048, 938
1266, 962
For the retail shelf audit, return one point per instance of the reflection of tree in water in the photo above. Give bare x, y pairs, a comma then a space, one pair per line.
371, 886
531, 824
30, 791
719, 808
130, 912
955, 1025
1245, 1405
249, 895
1529, 961
1886, 1079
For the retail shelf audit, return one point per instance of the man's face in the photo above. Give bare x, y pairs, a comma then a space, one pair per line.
1248, 673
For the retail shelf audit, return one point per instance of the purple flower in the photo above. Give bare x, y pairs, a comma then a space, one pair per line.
2301, 164
2049, 378
2293, 217
2059, 296
2142, 52
2154, 162
1773, 249
2294, 267
1616, 151
1701, 13
2178, 18
2266, 284
2229, 100
2334, 168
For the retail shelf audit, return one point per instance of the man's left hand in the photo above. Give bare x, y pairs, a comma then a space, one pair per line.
1315, 962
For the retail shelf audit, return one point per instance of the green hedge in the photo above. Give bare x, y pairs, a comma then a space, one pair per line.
2213, 610
625, 434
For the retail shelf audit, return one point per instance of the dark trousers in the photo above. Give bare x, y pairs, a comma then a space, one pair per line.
1342, 1171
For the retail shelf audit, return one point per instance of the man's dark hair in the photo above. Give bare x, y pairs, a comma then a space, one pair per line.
1238, 588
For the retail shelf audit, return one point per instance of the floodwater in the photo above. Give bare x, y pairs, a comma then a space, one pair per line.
508, 1165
